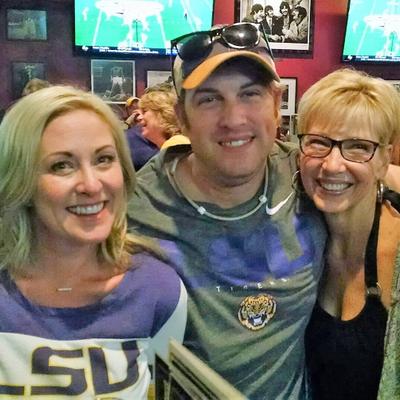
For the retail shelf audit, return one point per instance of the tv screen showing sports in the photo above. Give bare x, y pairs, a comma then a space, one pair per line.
137, 26
372, 31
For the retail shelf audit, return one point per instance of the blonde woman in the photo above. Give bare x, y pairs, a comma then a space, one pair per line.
83, 304
348, 123
159, 120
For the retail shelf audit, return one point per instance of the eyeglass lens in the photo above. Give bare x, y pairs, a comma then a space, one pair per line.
193, 46
357, 150
241, 35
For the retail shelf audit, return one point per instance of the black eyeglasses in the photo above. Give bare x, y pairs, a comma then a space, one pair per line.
197, 45
355, 150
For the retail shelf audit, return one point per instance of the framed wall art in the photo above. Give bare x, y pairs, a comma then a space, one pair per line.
113, 80
157, 77
23, 72
289, 30
288, 106
25, 24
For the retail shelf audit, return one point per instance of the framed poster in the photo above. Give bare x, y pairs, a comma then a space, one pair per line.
113, 80
287, 25
25, 24
288, 105
157, 77
22, 72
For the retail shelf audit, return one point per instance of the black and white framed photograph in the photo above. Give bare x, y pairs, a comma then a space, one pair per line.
25, 24
288, 105
157, 77
23, 72
113, 80
287, 24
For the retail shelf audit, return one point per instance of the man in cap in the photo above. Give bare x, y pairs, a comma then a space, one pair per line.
224, 210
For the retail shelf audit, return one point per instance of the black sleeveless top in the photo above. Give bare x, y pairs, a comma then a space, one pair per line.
345, 358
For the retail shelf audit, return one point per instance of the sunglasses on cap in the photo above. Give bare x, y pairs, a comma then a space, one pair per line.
240, 36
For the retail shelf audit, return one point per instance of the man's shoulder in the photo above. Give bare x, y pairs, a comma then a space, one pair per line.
282, 163
155, 168
284, 150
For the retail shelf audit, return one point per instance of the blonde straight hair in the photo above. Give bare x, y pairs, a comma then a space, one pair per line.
20, 138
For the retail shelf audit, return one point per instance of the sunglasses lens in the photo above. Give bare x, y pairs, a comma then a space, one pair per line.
193, 46
241, 35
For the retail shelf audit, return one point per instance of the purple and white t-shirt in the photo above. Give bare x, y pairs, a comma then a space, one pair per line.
100, 351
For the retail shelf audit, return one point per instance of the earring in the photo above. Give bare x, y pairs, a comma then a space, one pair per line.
379, 193
297, 184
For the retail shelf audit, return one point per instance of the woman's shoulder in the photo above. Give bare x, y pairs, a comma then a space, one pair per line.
158, 287
154, 273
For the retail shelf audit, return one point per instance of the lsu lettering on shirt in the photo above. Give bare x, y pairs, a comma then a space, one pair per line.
101, 351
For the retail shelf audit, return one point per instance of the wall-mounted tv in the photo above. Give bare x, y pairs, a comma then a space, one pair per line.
126, 27
372, 31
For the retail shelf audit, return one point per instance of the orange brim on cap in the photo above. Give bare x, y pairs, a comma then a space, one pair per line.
207, 67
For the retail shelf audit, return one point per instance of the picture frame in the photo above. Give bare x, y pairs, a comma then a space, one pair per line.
24, 24
154, 77
113, 80
22, 72
294, 40
288, 105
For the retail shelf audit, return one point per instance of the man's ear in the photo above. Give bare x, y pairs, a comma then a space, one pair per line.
277, 94
181, 114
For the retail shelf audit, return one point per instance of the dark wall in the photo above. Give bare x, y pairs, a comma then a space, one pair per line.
63, 66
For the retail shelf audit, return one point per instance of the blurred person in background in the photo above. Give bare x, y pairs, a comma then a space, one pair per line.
132, 113
33, 85
158, 126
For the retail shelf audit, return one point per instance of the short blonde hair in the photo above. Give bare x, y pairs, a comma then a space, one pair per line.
20, 138
352, 98
162, 103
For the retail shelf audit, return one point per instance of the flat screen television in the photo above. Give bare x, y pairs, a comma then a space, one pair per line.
372, 31
126, 27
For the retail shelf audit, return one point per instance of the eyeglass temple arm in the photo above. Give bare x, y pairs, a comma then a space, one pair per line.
266, 39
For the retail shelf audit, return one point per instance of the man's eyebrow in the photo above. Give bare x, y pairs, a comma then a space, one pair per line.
213, 90
205, 90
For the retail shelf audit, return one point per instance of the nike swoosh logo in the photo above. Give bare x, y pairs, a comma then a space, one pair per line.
274, 210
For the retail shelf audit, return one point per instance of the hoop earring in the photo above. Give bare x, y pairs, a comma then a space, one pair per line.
379, 192
297, 184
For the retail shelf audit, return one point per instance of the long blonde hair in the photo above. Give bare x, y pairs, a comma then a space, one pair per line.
20, 137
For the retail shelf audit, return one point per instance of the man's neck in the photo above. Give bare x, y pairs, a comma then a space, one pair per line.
205, 187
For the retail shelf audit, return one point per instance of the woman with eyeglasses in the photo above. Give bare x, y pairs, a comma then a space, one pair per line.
349, 122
